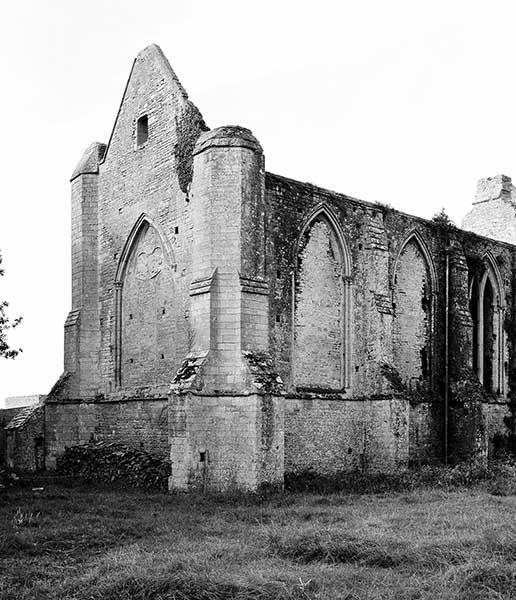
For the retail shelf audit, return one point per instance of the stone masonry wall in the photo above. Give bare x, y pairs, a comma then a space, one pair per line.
494, 210
28, 443
137, 423
354, 294
216, 441
411, 332
148, 325
319, 349
6, 414
150, 179
385, 317
331, 436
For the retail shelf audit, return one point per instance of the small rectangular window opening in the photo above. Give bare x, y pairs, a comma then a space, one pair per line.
202, 456
142, 130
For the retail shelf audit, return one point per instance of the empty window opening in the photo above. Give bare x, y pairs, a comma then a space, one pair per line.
163, 311
176, 230
278, 274
489, 336
473, 307
488, 340
142, 130
162, 356
202, 456
278, 319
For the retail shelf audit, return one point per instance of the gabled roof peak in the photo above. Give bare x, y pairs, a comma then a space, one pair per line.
151, 48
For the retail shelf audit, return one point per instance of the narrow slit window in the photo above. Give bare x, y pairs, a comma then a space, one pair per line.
142, 130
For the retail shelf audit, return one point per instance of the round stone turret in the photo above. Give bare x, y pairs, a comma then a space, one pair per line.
226, 137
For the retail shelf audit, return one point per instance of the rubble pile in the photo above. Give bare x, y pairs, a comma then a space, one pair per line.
109, 462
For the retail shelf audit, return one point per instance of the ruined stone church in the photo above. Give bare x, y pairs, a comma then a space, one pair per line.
247, 326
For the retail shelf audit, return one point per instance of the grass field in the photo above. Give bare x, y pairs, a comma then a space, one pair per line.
96, 543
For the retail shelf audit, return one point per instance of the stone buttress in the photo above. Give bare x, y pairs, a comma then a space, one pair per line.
226, 407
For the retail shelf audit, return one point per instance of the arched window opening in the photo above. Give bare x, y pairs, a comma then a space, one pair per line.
412, 327
486, 306
474, 310
321, 346
489, 336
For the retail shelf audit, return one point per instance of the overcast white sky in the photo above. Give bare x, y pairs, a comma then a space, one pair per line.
404, 102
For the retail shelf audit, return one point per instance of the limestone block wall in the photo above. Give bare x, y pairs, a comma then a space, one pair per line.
331, 436
425, 433
319, 321
397, 282
494, 210
137, 423
224, 443
412, 296
144, 202
67, 425
187, 255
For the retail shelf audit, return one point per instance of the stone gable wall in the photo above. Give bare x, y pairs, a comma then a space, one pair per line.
145, 180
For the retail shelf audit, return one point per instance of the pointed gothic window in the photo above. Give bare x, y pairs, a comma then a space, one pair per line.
486, 306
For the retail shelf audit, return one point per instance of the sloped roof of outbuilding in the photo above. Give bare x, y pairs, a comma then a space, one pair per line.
22, 417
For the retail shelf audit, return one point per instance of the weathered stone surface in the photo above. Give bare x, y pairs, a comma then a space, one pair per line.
244, 323
494, 210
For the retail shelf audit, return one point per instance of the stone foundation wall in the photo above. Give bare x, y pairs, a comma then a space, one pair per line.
329, 436
224, 443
